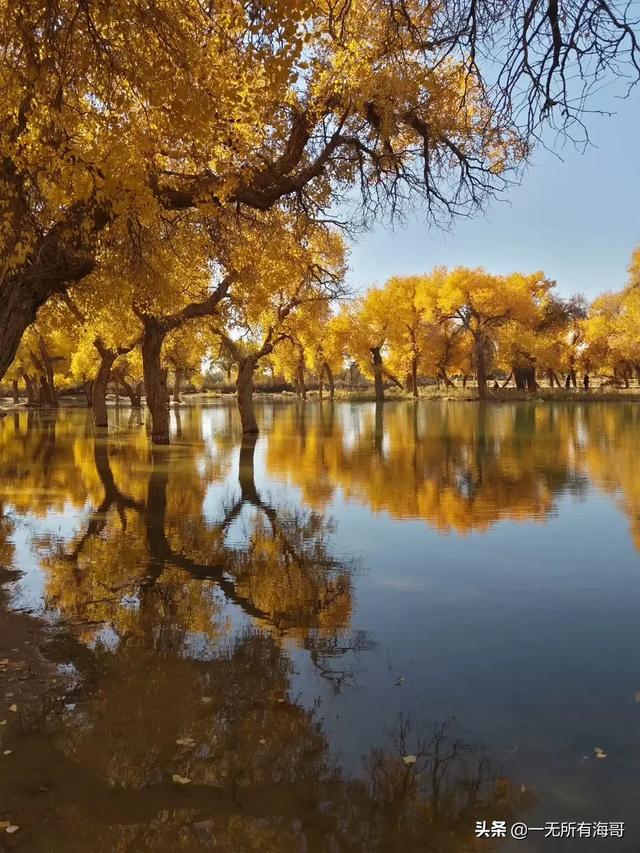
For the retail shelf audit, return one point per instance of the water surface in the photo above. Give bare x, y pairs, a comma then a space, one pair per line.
284, 621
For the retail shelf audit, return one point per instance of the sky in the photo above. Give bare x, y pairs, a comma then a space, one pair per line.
574, 215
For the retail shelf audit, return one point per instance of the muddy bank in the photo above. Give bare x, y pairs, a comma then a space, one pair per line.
33, 687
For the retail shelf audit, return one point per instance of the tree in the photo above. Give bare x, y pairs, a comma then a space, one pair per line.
480, 304
115, 120
371, 325
284, 297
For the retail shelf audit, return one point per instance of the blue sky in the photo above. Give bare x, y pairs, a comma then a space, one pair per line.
577, 218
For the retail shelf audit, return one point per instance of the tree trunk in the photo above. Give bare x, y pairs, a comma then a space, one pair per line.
465, 379
246, 469
244, 389
18, 308
443, 375
99, 389
320, 384
50, 384
155, 380
133, 392
479, 363
176, 385
414, 376
300, 381
29, 388
376, 358
330, 382
15, 391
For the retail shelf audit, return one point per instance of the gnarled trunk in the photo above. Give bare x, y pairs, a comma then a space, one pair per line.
18, 308
29, 388
443, 375
133, 392
155, 380
376, 358
99, 389
244, 389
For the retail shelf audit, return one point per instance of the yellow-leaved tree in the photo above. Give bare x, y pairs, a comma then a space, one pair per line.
117, 118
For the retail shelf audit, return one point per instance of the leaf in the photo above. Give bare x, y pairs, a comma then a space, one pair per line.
7, 752
13, 708
409, 759
599, 751
206, 699
12, 829
180, 780
185, 741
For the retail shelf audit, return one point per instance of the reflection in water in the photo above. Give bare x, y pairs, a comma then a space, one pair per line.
457, 467
193, 585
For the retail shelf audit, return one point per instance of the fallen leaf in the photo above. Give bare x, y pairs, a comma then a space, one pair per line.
206, 699
3, 722
409, 759
180, 780
600, 753
185, 741
12, 829
262, 740
13, 708
7, 752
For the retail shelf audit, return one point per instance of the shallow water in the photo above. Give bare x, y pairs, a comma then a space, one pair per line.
282, 622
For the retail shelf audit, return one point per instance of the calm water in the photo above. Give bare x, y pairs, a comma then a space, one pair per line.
282, 622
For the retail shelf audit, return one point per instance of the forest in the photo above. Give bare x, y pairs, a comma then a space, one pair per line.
181, 183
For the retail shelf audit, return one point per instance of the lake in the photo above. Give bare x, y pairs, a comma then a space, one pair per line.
364, 631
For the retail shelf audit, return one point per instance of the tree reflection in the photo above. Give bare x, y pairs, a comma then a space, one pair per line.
150, 557
457, 467
260, 770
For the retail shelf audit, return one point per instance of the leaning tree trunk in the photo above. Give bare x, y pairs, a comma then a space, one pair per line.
29, 388
445, 378
155, 380
99, 388
479, 363
330, 382
18, 308
376, 358
133, 392
244, 389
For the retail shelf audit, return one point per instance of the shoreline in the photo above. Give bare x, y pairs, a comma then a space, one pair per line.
504, 395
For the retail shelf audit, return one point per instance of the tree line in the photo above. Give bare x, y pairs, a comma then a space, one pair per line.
297, 321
